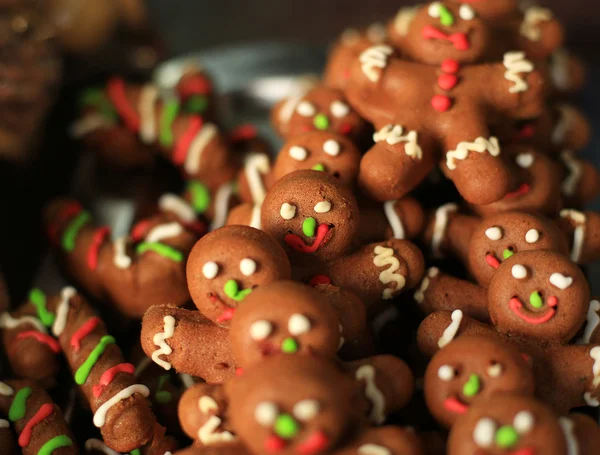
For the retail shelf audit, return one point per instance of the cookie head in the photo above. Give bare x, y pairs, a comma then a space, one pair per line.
306, 324
499, 237
541, 295
320, 151
470, 369
228, 264
291, 405
312, 215
443, 31
509, 424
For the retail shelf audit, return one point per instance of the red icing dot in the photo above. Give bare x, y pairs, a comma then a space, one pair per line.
450, 66
447, 81
441, 103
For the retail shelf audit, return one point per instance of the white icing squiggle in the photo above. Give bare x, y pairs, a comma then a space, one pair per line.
172, 203
480, 145
62, 310
568, 428
96, 444
222, 197
515, 64
451, 331
395, 134
197, 147
420, 294
6, 390
148, 97
373, 394
120, 259
534, 15
575, 168
393, 219
566, 119
385, 256
256, 166
164, 231
8, 322
593, 321
404, 18
160, 341
578, 234
100, 415
375, 58
208, 434
442, 216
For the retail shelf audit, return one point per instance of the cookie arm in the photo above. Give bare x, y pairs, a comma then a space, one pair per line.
7, 438
582, 231
449, 232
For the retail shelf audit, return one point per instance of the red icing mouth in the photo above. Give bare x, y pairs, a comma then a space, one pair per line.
226, 315
315, 443
492, 261
345, 129
522, 191
274, 444
516, 306
459, 40
453, 404
526, 451
298, 244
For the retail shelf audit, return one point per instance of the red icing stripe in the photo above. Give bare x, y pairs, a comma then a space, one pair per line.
41, 338
183, 144
83, 331
42, 413
97, 241
116, 92
139, 231
109, 375
69, 211
194, 85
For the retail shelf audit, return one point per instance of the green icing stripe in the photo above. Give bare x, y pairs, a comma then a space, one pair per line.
38, 298
160, 248
55, 443
84, 370
17, 408
167, 117
200, 196
135, 452
70, 234
95, 97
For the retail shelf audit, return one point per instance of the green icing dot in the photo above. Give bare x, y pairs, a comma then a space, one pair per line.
318, 167
17, 408
535, 300
321, 122
160, 248
200, 196
507, 253
55, 443
84, 370
38, 298
507, 437
286, 427
446, 17
232, 290
70, 235
289, 346
196, 104
472, 386
135, 452
308, 227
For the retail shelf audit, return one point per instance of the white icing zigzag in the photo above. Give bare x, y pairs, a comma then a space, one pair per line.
515, 64
160, 341
394, 134
420, 294
373, 394
480, 145
375, 58
534, 15
385, 256
579, 234
593, 321
208, 434
451, 331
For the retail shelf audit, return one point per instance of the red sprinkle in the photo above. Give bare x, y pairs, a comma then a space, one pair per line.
298, 244
452, 404
552, 301
193, 85
182, 146
68, 211
274, 444
239, 371
492, 261
97, 241
527, 132
447, 81
41, 414
345, 129
197, 227
226, 315
83, 331
41, 338
115, 90
243, 133
450, 66
109, 375
441, 103
319, 279
459, 40
139, 231
316, 443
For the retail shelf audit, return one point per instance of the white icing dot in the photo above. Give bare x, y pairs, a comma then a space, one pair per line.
332, 147
519, 271
298, 324
446, 373
484, 433
524, 422
560, 281
260, 330
495, 371
532, 236
287, 211
466, 13
494, 233
210, 270
306, 409
298, 153
323, 207
266, 413
339, 109
525, 160
434, 10
247, 267
306, 109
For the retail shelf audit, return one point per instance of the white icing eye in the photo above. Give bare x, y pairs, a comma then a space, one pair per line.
339, 109
484, 433
306, 109
266, 413
260, 330
434, 10
247, 267
323, 207
210, 270
560, 281
298, 324
288, 211
532, 236
298, 153
446, 373
332, 148
466, 13
525, 160
495, 370
306, 409
494, 233
519, 271
524, 422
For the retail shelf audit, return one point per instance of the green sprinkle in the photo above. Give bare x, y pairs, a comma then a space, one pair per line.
286, 427
308, 227
289, 346
96, 98
17, 408
135, 452
507, 437
196, 104
55, 443
535, 300
446, 17
162, 396
168, 116
232, 290
160, 248
38, 298
84, 370
507, 253
318, 167
472, 386
200, 196
321, 122
70, 234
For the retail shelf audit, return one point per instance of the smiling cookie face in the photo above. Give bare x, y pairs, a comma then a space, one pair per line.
291, 405
226, 265
320, 151
306, 324
501, 236
447, 31
320, 109
312, 215
539, 294
507, 424
472, 368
